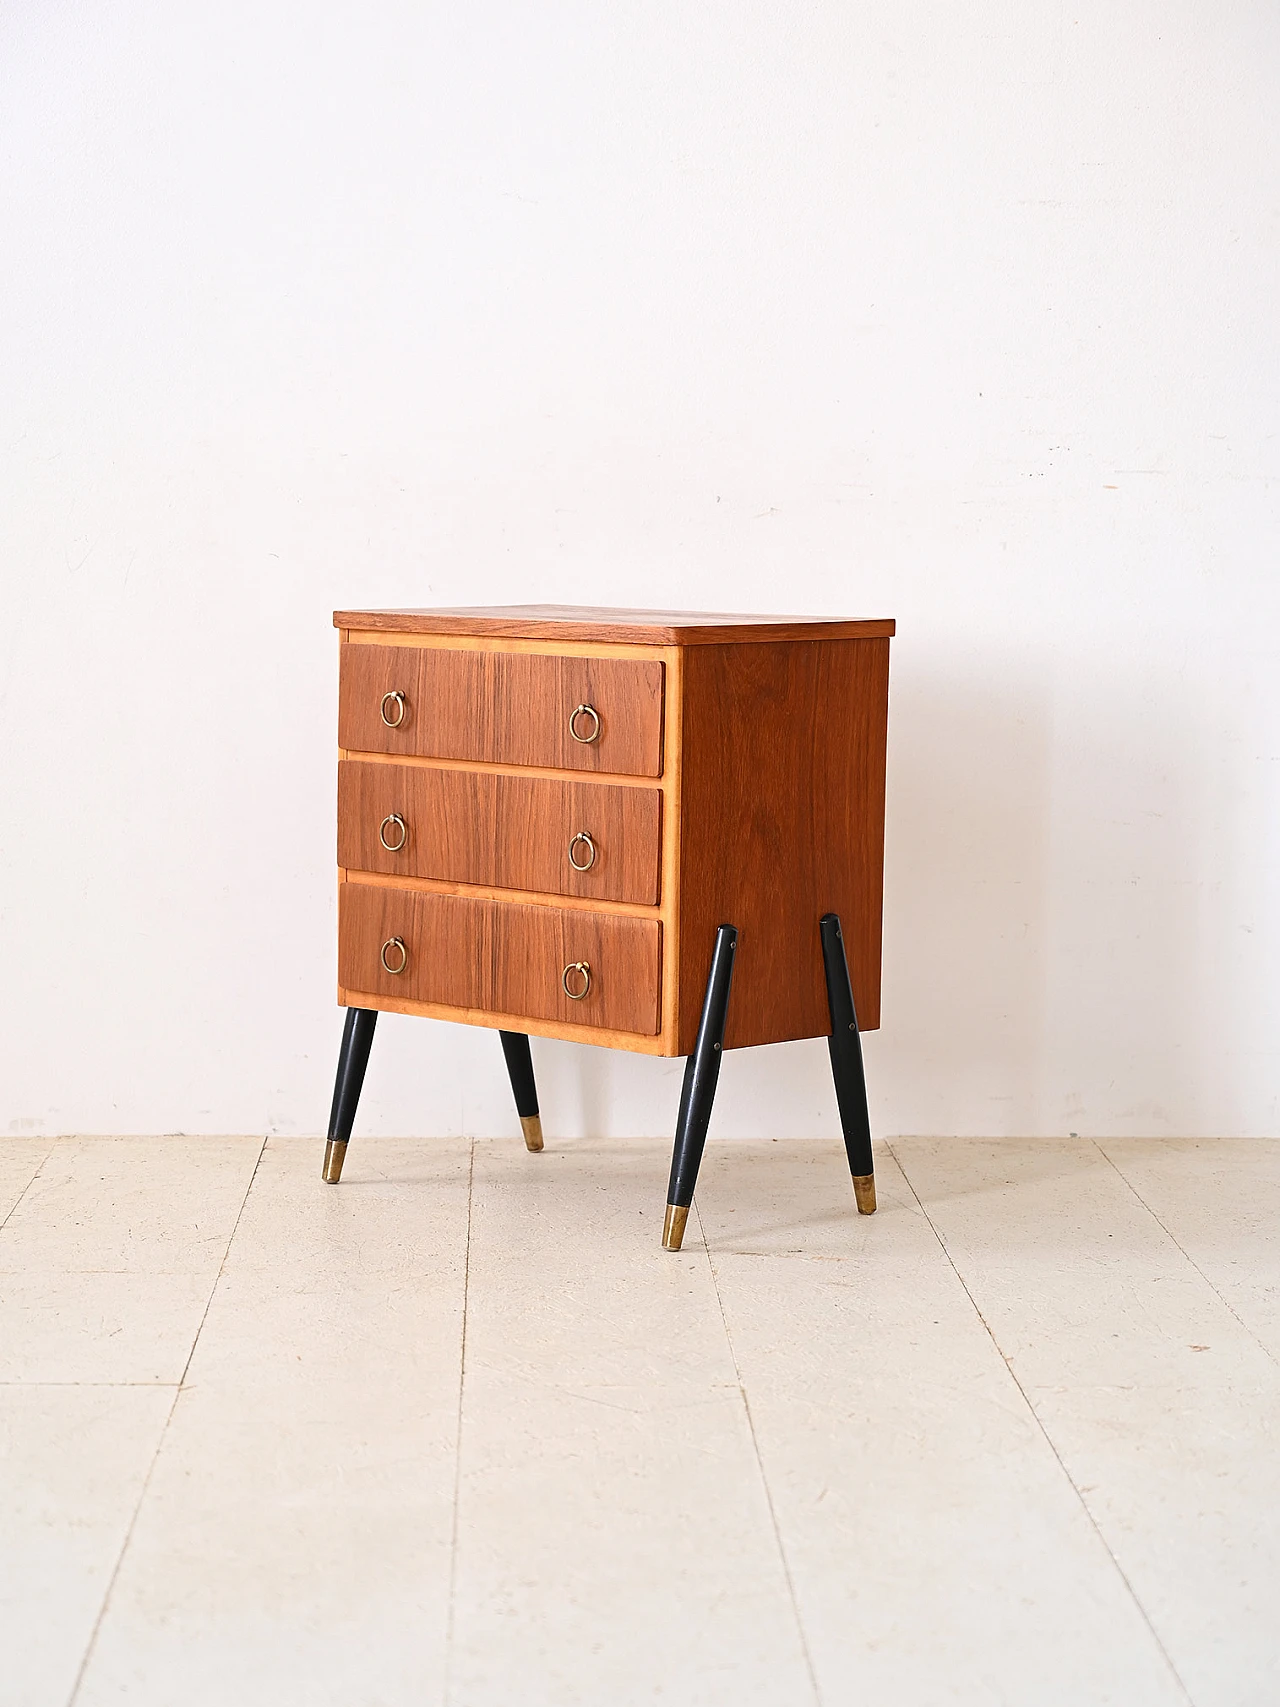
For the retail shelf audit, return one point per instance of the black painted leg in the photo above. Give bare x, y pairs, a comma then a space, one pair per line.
353, 1058
701, 1071
846, 1066
515, 1046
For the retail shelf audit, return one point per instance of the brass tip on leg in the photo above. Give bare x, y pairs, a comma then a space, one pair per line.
673, 1227
864, 1193
335, 1154
531, 1126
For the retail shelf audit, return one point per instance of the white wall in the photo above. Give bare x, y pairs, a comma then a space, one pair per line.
961, 314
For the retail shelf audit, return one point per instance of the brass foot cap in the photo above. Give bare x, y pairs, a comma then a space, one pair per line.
531, 1126
864, 1193
673, 1227
335, 1154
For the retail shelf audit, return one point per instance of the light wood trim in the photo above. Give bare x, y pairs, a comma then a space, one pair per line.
482, 892
672, 754
499, 769
634, 1041
609, 626
548, 648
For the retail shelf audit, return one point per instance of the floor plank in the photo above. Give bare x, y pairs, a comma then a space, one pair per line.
20, 1162
73, 1460
615, 1540
939, 1553
107, 1263
1164, 1409
294, 1543
826, 1461
1220, 1199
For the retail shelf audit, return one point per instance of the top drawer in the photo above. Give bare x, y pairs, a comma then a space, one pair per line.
515, 708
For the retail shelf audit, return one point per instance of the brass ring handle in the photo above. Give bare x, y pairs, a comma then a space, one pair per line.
576, 966
392, 820
395, 942
585, 711
398, 700
590, 846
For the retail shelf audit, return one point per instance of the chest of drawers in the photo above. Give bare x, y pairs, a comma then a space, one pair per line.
654, 831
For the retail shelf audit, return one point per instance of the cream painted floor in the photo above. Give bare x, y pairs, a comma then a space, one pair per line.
458, 1432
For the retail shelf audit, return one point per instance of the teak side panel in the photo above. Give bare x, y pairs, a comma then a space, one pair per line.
608, 624
500, 957
501, 831
782, 820
503, 707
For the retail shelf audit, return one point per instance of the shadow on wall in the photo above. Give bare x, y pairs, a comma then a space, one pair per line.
1147, 851
963, 1013
962, 1045
1049, 938
1044, 906
589, 1091
966, 899
1058, 903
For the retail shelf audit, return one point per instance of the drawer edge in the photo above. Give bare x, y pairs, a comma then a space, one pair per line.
639, 1043
500, 767
486, 892
507, 939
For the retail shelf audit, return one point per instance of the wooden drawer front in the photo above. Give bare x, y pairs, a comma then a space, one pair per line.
499, 957
503, 707
504, 832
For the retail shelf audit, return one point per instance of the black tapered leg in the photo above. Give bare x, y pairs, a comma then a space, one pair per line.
353, 1058
701, 1071
846, 1066
515, 1046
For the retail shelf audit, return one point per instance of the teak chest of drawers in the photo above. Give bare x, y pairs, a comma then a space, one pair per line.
652, 830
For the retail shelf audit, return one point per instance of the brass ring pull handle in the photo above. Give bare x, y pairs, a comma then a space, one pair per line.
585, 711
393, 822
396, 945
584, 972
589, 845
397, 699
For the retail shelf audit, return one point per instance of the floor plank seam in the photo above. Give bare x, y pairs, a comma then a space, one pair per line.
764, 1480
4, 1219
159, 1447
457, 1440
1048, 1439
1172, 1237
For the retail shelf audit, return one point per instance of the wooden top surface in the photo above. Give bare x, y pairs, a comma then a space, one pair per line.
598, 622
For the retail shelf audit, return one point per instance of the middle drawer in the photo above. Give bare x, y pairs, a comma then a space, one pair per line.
602, 841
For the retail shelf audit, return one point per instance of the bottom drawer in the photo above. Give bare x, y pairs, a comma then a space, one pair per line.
499, 957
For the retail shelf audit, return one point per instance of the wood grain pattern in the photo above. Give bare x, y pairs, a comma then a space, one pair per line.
763, 788
414, 760
501, 831
671, 772
503, 707
556, 645
781, 821
486, 892
601, 623
500, 957
601, 1037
